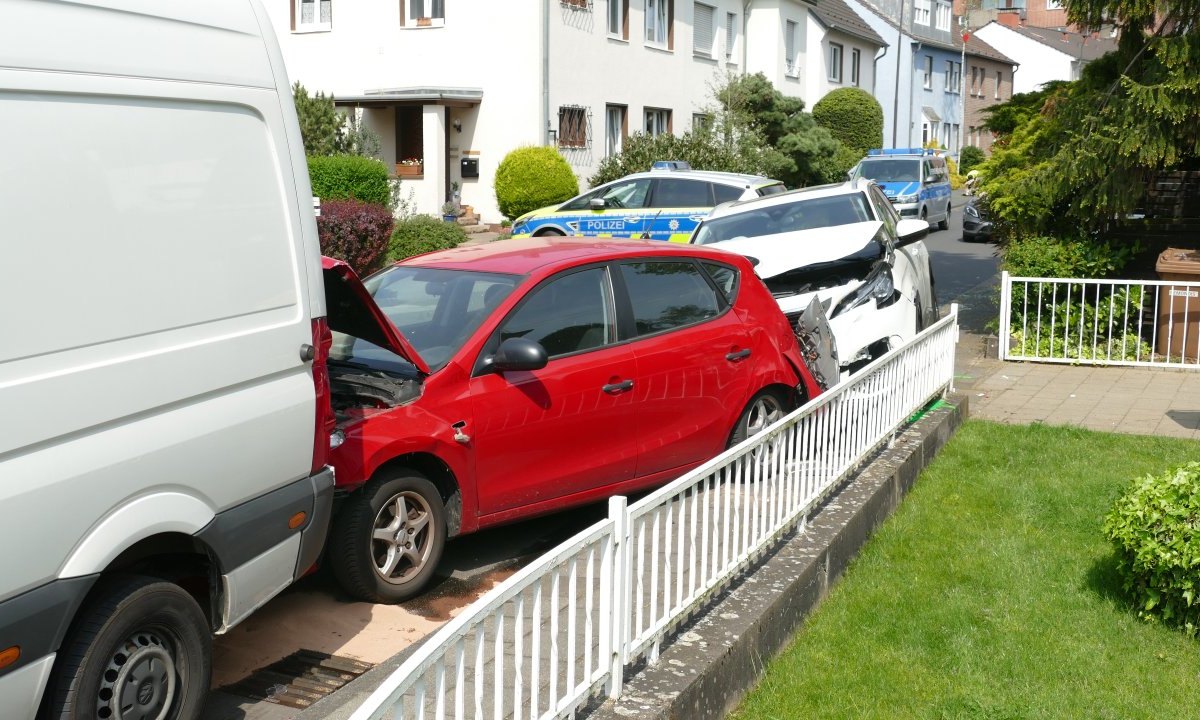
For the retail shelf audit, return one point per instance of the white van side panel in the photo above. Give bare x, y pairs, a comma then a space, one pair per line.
152, 309
138, 38
21, 690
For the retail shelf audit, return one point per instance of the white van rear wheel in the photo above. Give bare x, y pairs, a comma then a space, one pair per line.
140, 650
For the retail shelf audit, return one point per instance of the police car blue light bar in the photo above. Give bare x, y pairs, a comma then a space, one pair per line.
670, 165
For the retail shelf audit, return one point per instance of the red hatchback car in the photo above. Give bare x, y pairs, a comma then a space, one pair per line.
528, 376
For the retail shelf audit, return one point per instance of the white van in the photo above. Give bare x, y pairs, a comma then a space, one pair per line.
164, 409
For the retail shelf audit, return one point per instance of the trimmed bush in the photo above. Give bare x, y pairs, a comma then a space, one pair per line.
532, 177
1155, 526
354, 231
1074, 258
342, 177
422, 234
852, 116
969, 158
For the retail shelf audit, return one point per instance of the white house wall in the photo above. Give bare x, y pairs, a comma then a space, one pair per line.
590, 69
767, 46
1039, 63
817, 82
885, 79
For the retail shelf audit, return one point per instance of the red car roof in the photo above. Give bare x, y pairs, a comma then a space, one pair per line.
521, 257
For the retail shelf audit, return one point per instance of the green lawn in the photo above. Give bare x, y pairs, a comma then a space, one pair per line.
991, 593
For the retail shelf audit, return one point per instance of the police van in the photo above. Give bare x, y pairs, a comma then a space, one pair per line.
915, 180
666, 203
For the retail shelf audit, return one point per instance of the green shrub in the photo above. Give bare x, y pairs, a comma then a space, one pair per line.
354, 231
1155, 526
969, 158
852, 116
1071, 258
346, 177
422, 234
701, 150
532, 177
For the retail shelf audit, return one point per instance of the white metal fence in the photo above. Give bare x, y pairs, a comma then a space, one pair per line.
563, 630
1100, 322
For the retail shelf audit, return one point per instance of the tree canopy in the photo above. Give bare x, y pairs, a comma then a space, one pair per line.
1079, 155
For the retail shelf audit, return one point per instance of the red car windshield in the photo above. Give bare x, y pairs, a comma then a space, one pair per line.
436, 310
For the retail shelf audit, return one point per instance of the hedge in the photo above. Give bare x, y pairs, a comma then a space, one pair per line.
354, 231
341, 177
422, 234
852, 116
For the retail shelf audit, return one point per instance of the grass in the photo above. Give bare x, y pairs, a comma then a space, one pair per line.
991, 593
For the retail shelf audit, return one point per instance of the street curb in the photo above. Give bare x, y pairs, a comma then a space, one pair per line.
708, 667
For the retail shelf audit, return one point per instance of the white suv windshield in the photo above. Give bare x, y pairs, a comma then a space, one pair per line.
800, 215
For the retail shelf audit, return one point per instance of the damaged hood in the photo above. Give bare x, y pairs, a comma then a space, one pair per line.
353, 311
784, 252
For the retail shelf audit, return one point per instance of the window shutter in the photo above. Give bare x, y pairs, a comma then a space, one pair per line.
730, 33
702, 30
789, 46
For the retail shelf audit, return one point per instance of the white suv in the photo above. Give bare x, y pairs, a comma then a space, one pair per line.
843, 244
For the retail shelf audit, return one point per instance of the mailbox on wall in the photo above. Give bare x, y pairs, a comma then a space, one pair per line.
469, 167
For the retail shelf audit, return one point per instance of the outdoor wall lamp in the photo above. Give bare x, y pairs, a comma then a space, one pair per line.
457, 125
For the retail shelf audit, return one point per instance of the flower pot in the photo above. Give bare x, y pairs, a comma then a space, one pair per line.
409, 170
450, 218
424, 22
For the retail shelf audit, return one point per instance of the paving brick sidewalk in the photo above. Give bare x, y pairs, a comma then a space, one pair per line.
1141, 401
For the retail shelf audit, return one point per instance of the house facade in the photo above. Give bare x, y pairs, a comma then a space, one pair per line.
919, 78
1044, 54
989, 81
1034, 13
580, 75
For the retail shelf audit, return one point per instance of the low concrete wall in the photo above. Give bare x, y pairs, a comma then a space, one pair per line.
709, 666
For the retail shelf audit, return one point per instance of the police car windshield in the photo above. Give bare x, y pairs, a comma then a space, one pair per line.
891, 170
800, 215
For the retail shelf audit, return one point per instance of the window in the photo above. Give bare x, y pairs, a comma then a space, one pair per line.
312, 15
791, 67
410, 138
974, 80
1054, 5
704, 20
725, 277
953, 145
616, 124
835, 62
928, 72
573, 127
999, 78
945, 137
855, 62
953, 76
658, 121
618, 18
660, 17
971, 135
702, 121
730, 34
668, 295
677, 193
943, 16
618, 194
726, 193
422, 13
921, 12
569, 314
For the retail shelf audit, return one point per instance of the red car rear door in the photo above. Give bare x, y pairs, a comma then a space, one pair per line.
693, 362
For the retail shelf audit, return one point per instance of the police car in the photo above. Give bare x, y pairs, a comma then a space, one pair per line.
665, 203
915, 180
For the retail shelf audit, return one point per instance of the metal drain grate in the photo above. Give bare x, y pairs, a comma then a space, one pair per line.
300, 679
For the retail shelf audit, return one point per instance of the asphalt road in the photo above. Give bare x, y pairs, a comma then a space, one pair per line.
963, 272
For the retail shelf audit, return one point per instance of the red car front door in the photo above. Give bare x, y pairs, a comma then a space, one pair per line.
570, 426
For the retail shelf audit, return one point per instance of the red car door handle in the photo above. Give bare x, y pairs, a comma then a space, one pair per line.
739, 355
614, 388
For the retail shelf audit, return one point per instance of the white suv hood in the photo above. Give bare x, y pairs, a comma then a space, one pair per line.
779, 253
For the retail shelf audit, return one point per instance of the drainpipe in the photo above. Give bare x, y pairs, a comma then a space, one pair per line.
899, 60
746, 7
545, 72
875, 68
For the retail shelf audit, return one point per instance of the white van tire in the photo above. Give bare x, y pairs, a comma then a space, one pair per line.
360, 559
139, 646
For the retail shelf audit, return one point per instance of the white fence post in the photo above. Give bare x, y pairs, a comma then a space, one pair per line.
619, 586
1004, 331
954, 313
